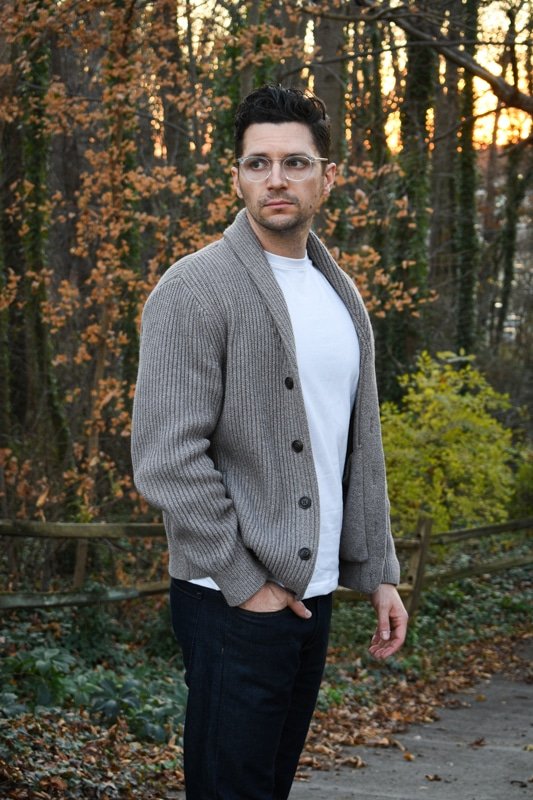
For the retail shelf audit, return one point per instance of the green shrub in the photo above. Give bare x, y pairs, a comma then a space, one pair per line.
447, 453
95, 658
39, 673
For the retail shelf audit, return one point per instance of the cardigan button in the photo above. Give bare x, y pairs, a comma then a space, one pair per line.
289, 383
297, 446
304, 553
304, 502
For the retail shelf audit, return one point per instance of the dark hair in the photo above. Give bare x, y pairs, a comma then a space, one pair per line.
284, 104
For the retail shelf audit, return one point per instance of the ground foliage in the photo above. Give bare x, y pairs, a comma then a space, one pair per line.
121, 738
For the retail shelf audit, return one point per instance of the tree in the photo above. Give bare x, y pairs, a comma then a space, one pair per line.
467, 243
329, 80
411, 228
440, 320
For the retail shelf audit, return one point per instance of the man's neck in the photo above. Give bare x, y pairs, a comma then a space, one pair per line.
289, 244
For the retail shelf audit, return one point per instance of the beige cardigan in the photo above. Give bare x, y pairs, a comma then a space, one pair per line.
217, 405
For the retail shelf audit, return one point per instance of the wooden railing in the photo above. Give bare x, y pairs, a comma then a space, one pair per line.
417, 551
81, 532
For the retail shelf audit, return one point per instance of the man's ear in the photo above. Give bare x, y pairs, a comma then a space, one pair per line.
329, 178
235, 181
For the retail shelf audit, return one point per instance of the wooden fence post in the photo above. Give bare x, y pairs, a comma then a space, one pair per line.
80, 565
417, 563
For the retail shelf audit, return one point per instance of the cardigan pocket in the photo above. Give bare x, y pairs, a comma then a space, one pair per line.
354, 544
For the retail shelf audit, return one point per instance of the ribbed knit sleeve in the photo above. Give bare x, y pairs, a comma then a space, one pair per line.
178, 400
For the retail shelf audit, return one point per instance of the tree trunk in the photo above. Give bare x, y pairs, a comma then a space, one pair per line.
294, 25
468, 248
488, 267
330, 80
411, 228
175, 135
10, 254
246, 79
44, 418
382, 185
441, 316
516, 186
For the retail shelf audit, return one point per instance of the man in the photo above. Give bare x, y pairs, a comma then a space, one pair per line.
256, 431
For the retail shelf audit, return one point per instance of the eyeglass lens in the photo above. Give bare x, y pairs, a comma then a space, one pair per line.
259, 168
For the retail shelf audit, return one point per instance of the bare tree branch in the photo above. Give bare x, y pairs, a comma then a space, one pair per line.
408, 20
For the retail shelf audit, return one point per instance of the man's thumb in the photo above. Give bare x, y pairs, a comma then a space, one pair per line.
384, 627
300, 609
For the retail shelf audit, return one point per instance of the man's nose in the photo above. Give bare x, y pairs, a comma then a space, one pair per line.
277, 175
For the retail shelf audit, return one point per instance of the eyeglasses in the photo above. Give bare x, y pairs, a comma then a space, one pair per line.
293, 168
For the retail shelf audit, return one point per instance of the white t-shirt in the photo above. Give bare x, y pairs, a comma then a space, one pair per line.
327, 351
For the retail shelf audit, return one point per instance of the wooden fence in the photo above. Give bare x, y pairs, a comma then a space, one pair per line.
416, 550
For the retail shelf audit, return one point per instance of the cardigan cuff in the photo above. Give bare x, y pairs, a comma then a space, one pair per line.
242, 578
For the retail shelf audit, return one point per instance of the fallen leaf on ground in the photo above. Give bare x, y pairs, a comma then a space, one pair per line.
353, 761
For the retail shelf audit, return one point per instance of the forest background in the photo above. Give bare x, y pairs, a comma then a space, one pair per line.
115, 152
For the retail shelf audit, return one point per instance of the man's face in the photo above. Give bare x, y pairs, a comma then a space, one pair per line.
278, 204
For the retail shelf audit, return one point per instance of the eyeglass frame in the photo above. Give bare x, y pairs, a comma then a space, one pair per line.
313, 159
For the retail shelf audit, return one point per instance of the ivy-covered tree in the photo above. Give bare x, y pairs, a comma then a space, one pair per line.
467, 241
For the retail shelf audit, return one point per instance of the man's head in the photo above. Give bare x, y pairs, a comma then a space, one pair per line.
276, 104
282, 171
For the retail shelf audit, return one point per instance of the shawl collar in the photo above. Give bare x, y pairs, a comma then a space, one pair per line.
343, 285
247, 248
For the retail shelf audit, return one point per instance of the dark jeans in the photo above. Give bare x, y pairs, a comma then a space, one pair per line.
253, 681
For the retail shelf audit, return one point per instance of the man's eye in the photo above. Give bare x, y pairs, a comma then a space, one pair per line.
297, 162
257, 164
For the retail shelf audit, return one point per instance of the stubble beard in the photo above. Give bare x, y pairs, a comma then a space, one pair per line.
278, 223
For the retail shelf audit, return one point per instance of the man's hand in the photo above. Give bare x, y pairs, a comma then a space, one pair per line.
392, 621
272, 597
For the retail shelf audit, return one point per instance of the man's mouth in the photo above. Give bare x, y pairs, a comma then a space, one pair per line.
277, 202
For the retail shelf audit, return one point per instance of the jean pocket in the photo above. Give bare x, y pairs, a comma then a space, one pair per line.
262, 614
264, 629
186, 587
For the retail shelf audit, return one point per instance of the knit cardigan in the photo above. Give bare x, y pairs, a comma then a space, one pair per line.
217, 406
